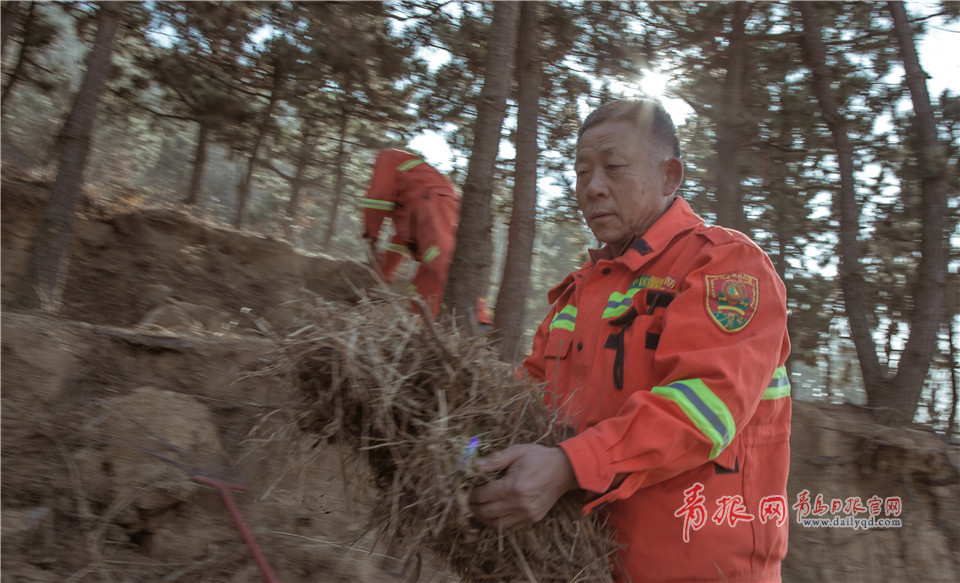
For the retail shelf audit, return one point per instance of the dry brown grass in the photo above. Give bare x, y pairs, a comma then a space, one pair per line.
408, 399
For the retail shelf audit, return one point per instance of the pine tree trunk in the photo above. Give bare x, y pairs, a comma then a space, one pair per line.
931, 285
17, 72
954, 356
9, 18
246, 186
296, 187
469, 260
338, 189
199, 165
851, 277
52, 248
515, 285
730, 124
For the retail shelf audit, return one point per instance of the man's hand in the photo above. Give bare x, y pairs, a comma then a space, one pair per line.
537, 476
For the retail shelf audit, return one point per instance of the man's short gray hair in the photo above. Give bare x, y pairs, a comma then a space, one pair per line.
647, 115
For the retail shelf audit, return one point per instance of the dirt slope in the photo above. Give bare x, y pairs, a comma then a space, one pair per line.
111, 409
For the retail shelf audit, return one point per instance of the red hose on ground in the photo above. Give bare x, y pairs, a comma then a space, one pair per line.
225, 489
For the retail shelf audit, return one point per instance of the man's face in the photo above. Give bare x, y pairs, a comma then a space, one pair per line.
623, 184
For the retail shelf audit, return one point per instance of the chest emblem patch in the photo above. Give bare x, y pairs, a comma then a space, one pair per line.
732, 299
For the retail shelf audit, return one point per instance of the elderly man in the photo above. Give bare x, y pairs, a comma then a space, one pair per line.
665, 352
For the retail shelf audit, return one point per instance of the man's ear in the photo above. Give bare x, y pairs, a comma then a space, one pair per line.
673, 171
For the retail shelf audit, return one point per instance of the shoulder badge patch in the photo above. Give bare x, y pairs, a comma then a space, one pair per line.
732, 299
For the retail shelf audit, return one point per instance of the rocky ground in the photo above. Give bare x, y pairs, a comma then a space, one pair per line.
116, 408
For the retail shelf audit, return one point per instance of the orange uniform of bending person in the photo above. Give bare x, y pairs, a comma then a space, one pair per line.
425, 209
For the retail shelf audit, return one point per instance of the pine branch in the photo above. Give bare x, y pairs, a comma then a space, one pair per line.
140, 105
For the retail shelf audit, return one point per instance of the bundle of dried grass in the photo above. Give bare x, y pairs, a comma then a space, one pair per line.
419, 404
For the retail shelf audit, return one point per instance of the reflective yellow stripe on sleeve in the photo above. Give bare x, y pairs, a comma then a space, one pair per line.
779, 387
410, 164
565, 319
705, 409
381, 205
619, 303
395, 248
431, 253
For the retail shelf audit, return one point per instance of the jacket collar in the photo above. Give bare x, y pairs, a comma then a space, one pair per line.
678, 219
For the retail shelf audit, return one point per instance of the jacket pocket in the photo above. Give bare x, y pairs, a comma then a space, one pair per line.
557, 346
630, 346
649, 328
728, 460
555, 357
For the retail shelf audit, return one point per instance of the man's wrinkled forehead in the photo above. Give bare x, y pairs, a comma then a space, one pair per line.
603, 150
616, 137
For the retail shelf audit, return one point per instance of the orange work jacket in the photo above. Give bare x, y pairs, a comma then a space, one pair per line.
401, 183
425, 209
669, 362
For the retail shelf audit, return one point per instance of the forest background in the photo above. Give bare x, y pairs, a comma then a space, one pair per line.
809, 126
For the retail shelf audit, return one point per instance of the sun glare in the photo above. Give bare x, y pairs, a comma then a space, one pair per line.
647, 83
654, 83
